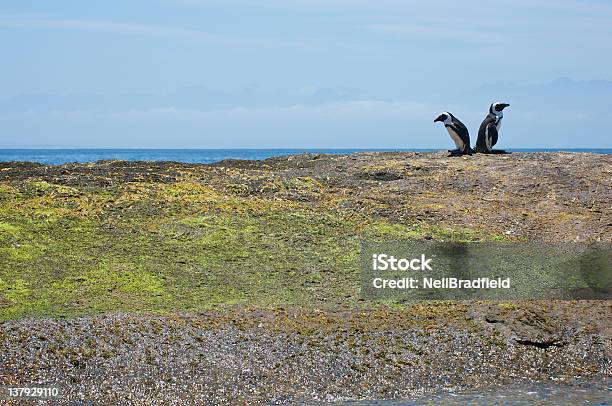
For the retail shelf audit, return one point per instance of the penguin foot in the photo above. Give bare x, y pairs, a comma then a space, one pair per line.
492, 152
454, 152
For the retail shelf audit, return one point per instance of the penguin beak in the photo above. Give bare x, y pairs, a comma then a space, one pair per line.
503, 106
439, 118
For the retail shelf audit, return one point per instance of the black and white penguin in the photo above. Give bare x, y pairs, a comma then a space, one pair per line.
489, 129
458, 132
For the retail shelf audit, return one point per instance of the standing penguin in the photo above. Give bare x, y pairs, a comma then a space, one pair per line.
458, 132
489, 129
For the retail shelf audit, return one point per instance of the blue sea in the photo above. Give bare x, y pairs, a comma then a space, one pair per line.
61, 156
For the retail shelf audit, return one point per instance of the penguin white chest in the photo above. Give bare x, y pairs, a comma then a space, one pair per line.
456, 138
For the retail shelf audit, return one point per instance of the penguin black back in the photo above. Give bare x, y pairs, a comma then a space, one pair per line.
488, 132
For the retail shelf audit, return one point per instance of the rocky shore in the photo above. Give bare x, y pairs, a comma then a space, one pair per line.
294, 356
238, 282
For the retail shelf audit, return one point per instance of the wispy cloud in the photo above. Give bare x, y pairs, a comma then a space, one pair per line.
570, 108
402, 6
110, 26
434, 33
361, 123
135, 29
337, 110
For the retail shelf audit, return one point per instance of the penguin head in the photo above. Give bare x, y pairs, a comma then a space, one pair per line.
445, 117
497, 107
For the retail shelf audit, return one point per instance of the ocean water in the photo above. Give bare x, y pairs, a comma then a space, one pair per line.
61, 156
573, 393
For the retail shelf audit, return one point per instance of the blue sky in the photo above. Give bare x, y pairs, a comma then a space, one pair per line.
302, 73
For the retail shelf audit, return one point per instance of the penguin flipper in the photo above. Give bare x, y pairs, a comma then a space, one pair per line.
493, 135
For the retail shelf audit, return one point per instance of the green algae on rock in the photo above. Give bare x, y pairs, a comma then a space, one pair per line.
111, 236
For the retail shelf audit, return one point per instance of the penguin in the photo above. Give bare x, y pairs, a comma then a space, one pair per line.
458, 132
489, 129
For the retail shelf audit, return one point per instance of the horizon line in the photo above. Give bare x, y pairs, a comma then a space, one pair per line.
268, 148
